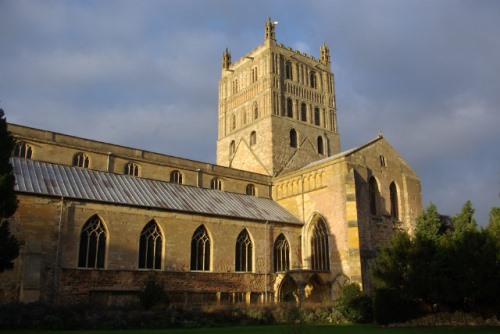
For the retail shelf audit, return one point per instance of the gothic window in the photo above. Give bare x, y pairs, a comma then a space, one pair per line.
176, 177
250, 189
293, 138
92, 250
233, 121
254, 74
320, 145
216, 183
244, 249
253, 138
394, 201
235, 86
22, 150
303, 112
316, 116
132, 169
232, 147
281, 254
244, 114
313, 80
81, 160
200, 250
320, 250
374, 195
150, 247
255, 110
288, 70
289, 107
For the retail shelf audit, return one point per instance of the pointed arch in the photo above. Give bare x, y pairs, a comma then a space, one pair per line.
393, 190
92, 250
150, 246
287, 291
200, 249
176, 177
319, 245
244, 252
81, 160
22, 150
132, 169
281, 254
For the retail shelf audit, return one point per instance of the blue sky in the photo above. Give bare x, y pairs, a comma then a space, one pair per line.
145, 74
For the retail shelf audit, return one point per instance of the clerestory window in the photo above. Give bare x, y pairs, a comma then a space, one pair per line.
22, 150
176, 177
216, 183
132, 169
81, 160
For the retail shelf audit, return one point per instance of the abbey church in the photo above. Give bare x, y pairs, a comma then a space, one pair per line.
284, 214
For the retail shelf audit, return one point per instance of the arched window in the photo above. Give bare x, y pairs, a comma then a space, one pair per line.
253, 138
244, 249
281, 254
313, 80
289, 107
293, 138
22, 150
374, 195
254, 74
250, 189
81, 160
320, 250
232, 147
317, 120
321, 149
394, 201
244, 116
132, 169
150, 247
92, 249
233, 121
255, 110
288, 70
303, 112
216, 183
200, 250
176, 177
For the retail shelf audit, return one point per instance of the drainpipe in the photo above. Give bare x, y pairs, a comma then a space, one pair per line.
58, 252
265, 262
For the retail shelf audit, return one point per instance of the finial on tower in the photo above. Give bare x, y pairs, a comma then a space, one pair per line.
325, 54
269, 32
226, 60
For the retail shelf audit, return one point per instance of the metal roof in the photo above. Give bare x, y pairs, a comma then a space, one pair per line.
42, 178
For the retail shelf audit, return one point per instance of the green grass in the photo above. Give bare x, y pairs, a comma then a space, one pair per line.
285, 329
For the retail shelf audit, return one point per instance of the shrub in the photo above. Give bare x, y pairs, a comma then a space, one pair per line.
355, 305
390, 307
153, 293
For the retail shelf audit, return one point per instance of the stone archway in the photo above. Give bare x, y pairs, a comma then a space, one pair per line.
287, 291
316, 290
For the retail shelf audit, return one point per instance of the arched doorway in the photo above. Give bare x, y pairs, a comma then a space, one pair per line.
288, 290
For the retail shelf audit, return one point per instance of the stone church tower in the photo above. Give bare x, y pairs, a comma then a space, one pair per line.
277, 109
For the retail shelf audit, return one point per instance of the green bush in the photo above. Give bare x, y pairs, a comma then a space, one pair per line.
355, 305
390, 307
153, 293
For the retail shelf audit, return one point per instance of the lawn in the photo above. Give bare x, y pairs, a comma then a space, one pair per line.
285, 329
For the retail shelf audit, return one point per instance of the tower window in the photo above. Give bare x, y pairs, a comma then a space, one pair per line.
233, 121
200, 250
81, 160
374, 195
253, 138
288, 70
289, 107
382, 161
132, 169
394, 201
293, 138
320, 145
313, 80
176, 177
244, 114
92, 244
216, 184
316, 116
232, 147
244, 249
250, 189
320, 251
281, 254
150, 247
235, 86
255, 110
22, 150
254, 74
303, 112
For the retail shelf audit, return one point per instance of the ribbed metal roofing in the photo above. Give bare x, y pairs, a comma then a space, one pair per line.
57, 180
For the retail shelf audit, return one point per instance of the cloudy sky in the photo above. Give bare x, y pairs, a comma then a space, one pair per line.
144, 74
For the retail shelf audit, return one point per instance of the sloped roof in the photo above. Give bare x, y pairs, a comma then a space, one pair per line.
42, 178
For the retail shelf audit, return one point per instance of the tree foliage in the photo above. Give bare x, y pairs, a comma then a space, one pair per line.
451, 265
9, 247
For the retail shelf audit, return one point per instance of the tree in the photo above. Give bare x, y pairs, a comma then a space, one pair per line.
9, 247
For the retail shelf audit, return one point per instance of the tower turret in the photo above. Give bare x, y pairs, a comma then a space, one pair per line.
325, 54
269, 31
226, 60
